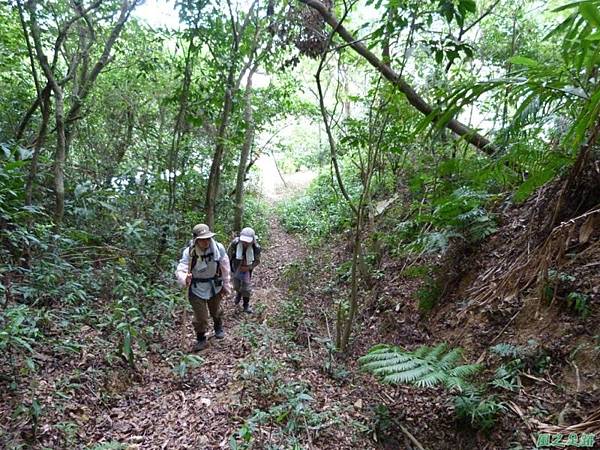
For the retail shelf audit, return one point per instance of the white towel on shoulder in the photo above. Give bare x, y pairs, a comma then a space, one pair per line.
239, 253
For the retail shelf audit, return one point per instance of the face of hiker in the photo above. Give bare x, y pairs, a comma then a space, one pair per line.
245, 244
202, 244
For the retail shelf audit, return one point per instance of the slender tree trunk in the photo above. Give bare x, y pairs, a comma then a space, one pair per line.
38, 101
356, 250
231, 86
60, 157
43, 102
39, 143
215, 169
343, 324
345, 320
178, 131
245, 153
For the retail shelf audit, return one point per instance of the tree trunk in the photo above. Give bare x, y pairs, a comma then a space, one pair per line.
349, 319
245, 153
231, 86
63, 135
215, 169
178, 131
467, 133
60, 154
39, 142
60, 157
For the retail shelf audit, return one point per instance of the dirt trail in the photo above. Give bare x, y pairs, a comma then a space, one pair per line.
270, 384
213, 401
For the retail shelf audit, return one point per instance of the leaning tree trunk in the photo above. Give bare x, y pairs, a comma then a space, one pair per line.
467, 133
245, 153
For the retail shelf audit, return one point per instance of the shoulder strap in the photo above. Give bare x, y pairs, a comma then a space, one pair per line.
193, 258
221, 249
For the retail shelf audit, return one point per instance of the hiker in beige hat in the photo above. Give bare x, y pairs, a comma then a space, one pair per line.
204, 271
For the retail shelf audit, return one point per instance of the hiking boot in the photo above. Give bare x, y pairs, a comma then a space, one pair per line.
238, 298
201, 343
247, 308
219, 333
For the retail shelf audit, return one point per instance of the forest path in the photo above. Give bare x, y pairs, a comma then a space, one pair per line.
267, 384
276, 186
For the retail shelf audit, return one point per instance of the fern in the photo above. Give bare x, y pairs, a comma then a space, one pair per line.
506, 350
424, 367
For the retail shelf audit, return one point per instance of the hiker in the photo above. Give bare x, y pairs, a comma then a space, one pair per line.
244, 254
204, 270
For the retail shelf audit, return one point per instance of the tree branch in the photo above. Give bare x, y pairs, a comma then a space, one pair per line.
126, 8
332, 144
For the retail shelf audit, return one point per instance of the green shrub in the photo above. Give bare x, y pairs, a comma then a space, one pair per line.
416, 271
290, 314
561, 282
320, 212
287, 418
18, 333
294, 276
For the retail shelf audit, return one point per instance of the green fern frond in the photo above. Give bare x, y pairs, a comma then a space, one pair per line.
431, 379
458, 384
409, 376
381, 351
380, 347
400, 367
424, 367
421, 352
506, 350
465, 371
436, 352
451, 358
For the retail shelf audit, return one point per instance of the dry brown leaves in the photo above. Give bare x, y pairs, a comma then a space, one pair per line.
531, 267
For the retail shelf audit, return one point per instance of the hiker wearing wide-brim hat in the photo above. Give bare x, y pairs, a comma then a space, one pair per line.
204, 270
244, 254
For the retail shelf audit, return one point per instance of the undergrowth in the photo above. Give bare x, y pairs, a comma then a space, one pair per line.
319, 212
